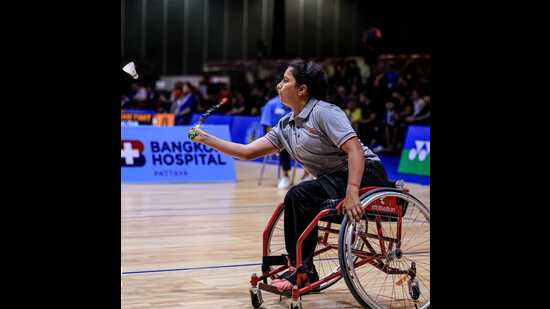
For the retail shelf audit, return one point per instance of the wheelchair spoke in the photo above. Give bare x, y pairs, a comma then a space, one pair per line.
387, 247
383, 287
392, 291
404, 292
412, 235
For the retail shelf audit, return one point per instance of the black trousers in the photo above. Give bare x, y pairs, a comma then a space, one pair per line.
284, 160
303, 202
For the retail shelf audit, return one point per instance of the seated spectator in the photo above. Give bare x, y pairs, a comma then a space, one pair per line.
163, 103
390, 127
421, 114
340, 99
354, 113
368, 126
141, 93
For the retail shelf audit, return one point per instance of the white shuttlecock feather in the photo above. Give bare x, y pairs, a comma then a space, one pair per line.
130, 68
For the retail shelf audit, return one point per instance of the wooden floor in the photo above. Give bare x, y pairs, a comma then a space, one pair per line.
196, 245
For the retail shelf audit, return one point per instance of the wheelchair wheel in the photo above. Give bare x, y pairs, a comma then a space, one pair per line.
326, 262
386, 256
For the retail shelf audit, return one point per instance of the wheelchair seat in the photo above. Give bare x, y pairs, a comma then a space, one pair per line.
332, 203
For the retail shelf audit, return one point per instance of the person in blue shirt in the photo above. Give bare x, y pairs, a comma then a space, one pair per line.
184, 103
272, 112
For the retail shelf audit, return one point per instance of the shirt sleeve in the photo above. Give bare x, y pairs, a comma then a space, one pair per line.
336, 125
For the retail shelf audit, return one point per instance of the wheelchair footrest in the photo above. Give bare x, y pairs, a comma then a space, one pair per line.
272, 289
268, 261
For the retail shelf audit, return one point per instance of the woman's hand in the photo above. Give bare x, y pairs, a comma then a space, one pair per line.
352, 206
196, 134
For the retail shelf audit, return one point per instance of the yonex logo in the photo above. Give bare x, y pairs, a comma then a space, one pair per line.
421, 151
131, 153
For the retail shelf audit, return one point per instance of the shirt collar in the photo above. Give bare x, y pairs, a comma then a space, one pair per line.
306, 110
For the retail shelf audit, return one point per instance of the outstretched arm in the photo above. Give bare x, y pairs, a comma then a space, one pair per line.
356, 166
258, 148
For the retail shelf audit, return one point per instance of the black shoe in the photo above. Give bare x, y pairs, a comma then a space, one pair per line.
309, 269
312, 275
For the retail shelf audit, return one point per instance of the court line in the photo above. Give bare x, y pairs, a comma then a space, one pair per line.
187, 268
137, 272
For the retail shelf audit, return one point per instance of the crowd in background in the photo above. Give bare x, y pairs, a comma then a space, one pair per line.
381, 99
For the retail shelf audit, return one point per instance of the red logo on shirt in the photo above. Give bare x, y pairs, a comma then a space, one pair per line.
313, 131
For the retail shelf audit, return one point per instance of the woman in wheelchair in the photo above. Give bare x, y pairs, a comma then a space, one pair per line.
319, 135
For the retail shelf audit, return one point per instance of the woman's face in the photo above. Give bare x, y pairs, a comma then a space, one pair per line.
290, 93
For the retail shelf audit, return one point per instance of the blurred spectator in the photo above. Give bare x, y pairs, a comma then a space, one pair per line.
208, 93
368, 130
133, 91
382, 95
391, 78
205, 87
355, 89
354, 113
352, 73
124, 100
418, 103
339, 76
237, 104
364, 69
404, 109
184, 102
256, 100
421, 113
140, 94
340, 98
224, 92
390, 127
163, 103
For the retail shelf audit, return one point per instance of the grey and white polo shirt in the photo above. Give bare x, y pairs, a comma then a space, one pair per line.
314, 137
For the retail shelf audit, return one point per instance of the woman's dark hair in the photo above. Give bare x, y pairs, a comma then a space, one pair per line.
310, 74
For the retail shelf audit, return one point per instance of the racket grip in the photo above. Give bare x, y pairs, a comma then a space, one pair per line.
193, 132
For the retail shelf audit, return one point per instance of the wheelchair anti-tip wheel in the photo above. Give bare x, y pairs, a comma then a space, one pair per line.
295, 304
256, 297
326, 262
386, 256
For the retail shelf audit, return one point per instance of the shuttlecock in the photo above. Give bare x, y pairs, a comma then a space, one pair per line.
130, 68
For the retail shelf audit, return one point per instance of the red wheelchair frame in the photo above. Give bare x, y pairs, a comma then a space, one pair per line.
387, 206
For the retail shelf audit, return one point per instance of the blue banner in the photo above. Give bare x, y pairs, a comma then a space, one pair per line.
165, 154
245, 129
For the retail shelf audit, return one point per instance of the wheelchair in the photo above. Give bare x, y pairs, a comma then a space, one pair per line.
384, 258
